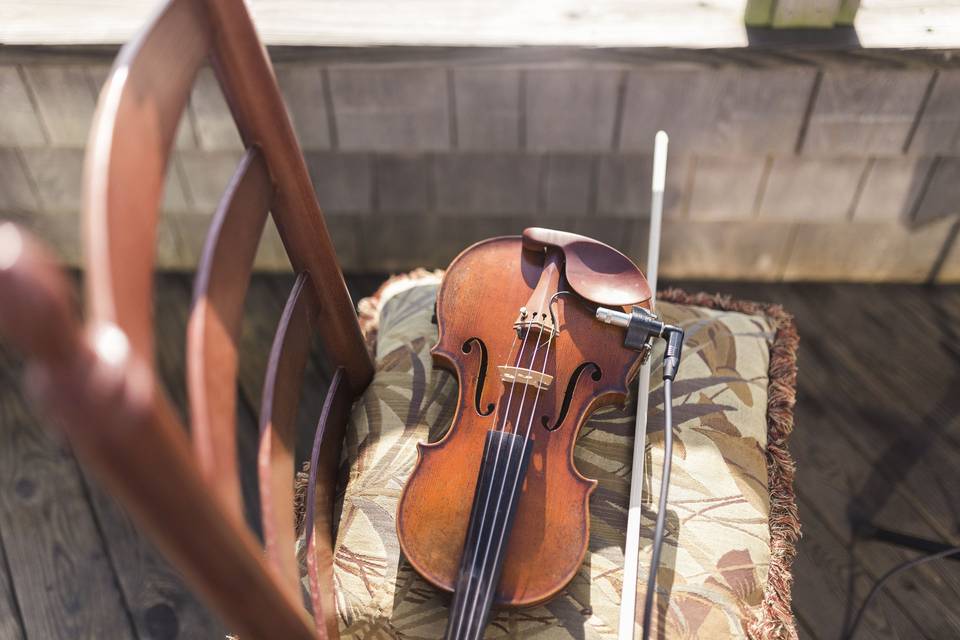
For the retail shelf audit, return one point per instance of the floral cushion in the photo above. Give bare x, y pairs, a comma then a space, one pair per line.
725, 567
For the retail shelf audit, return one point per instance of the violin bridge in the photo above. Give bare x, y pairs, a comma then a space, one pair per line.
525, 376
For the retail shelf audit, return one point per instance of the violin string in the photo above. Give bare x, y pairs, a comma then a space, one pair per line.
533, 361
523, 451
486, 506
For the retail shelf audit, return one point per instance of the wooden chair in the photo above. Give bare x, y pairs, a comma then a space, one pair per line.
99, 381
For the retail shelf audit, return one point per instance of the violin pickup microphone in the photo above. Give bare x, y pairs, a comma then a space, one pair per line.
614, 317
642, 326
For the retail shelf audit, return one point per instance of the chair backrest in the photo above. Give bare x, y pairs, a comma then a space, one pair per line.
100, 382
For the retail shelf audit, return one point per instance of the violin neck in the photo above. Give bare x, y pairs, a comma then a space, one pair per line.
502, 471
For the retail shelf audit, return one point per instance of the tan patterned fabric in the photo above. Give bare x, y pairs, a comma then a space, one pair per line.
713, 580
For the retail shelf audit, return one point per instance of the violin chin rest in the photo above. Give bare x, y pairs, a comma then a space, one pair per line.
594, 270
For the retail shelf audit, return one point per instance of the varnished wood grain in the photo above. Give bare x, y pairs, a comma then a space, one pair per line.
275, 461
215, 323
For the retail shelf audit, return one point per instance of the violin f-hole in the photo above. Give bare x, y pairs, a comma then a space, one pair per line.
481, 375
568, 394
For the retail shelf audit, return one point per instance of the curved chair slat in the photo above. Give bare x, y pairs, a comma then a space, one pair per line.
278, 410
213, 331
133, 130
107, 401
324, 459
251, 90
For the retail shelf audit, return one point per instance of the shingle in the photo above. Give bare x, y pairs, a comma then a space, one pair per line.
389, 109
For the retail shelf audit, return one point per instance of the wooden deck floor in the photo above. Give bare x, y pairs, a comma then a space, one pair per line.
878, 436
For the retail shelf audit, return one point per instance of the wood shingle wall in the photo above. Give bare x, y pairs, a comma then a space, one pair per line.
783, 165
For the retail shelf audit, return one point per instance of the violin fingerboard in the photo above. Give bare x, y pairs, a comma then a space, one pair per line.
502, 471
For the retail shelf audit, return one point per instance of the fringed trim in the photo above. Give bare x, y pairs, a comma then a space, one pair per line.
775, 621
368, 309
300, 483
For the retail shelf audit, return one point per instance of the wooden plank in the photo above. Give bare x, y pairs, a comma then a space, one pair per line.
938, 130
950, 270
20, 124
302, 88
215, 127
865, 251
836, 477
403, 242
174, 192
568, 184
172, 298
16, 193
271, 255
838, 481
811, 188
725, 110
485, 183
907, 433
65, 101
726, 188
623, 184
892, 187
160, 604
652, 23
57, 174
487, 108
11, 624
863, 110
402, 183
207, 175
390, 109
343, 181
939, 199
58, 563
571, 109
753, 250
826, 580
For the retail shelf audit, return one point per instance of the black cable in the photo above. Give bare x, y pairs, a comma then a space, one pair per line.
903, 566
662, 507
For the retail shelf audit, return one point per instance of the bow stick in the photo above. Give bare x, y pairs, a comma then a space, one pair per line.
631, 559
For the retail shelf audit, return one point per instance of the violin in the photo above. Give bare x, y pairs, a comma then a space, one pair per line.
495, 511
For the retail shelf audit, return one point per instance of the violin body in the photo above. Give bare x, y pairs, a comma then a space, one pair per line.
480, 309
